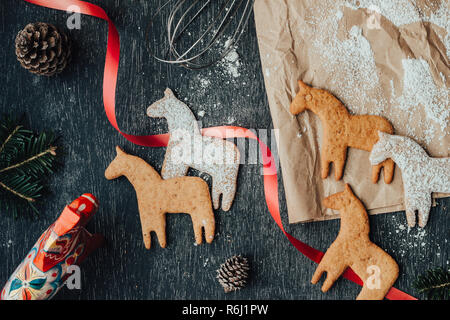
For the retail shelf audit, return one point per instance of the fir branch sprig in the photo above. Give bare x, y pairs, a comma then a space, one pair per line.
25, 161
435, 284
12, 136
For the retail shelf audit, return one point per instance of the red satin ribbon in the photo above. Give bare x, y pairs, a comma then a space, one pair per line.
269, 170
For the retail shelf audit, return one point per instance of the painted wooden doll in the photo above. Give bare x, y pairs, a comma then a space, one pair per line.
66, 242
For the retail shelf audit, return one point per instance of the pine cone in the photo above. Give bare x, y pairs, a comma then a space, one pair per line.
42, 49
232, 274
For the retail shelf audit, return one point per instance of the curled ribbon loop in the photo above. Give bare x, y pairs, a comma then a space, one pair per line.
270, 174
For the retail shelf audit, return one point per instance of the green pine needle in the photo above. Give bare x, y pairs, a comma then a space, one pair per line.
435, 284
26, 159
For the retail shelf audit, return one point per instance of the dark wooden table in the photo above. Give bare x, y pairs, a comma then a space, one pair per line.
71, 104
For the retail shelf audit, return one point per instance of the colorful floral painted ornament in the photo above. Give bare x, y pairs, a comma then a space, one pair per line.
65, 243
188, 148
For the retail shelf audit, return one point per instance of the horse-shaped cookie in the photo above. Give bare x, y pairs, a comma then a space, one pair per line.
187, 148
342, 130
421, 174
156, 197
353, 248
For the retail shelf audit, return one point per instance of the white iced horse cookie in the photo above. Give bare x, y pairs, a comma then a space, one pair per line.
421, 174
187, 148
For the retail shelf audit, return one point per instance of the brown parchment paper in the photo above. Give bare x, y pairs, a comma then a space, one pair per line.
288, 54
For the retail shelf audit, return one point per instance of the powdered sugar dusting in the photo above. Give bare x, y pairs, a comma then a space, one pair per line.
419, 90
401, 12
355, 77
358, 86
231, 72
231, 63
188, 148
414, 241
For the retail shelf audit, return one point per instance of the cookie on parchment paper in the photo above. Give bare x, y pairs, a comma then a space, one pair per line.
342, 130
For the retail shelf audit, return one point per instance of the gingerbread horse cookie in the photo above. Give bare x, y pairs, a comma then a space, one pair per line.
187, 148
342, 130
353, 248
421, 174
156, 197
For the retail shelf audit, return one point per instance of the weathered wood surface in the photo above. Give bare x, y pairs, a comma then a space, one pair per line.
72, 105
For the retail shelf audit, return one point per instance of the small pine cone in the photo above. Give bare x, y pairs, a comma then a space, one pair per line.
42, 49
233, 274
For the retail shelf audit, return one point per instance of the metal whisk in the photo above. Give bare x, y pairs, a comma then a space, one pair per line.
197, 33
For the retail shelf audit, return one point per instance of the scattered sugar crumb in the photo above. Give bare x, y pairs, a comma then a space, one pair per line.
8, 244
201, 113
231, 62
414, 240
205, 83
